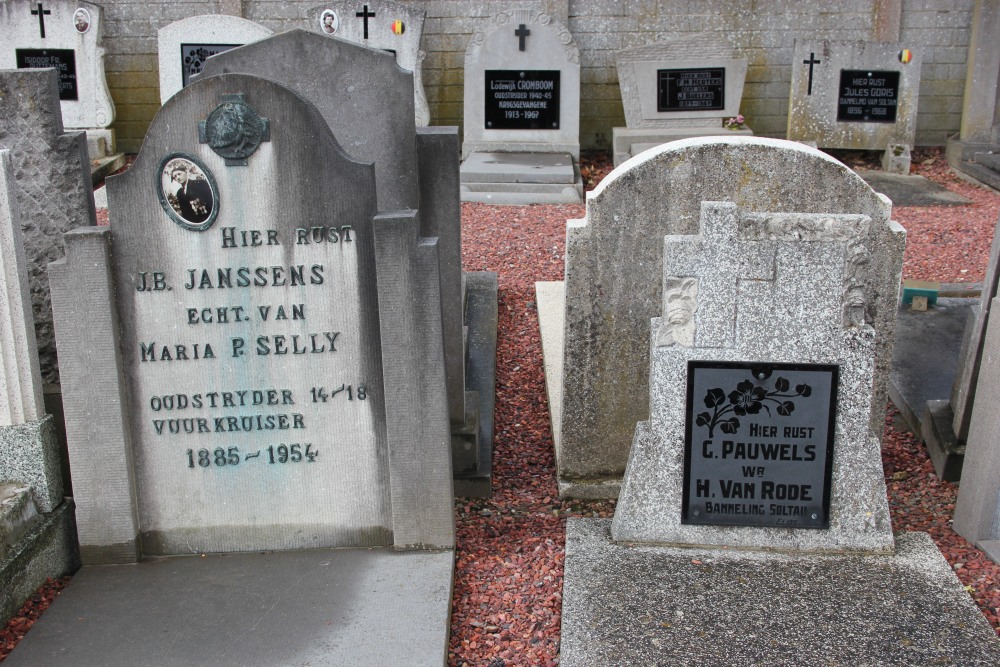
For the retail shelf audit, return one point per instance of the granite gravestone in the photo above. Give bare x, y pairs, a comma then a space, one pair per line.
759, 440
185, 45
263, 352
369, 108
977, 512
52, 184
597, 361
67, 36
380, 24
677, 88
860, 95
36, 527
522, 112
37, 539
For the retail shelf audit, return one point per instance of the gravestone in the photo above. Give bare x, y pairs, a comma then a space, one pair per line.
273, 379
380, 24
675, 89
758, 441
977, 512
37, 539
944, 423
857, 95
185, 45
597, 357
369, 107
52, 183
975, 150
67, 36
522, 112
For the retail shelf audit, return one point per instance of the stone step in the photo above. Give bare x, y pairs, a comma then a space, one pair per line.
981, 172
989, 160
17, 513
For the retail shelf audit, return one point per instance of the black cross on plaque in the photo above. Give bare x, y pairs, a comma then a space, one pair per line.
812, 61
41, 14
522, 33
363, 14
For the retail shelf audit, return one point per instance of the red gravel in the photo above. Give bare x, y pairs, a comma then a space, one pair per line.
509, 560
29, 613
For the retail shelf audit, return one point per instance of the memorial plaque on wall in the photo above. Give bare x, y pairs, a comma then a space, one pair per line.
63, 60
522, 100
193, 57
691, 89
868, 96
759, 444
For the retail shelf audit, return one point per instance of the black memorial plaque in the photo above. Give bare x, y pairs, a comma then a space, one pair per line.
193, 57
63, 60
691, 89
522, 100
759, 444
868, 96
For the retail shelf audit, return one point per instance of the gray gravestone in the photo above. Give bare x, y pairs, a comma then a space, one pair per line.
260, 342
860, 95
675, 89
36, 528
612, 287
368, 106
977, 512
760, 440
522, 112
184, 46
54, 192
380, 24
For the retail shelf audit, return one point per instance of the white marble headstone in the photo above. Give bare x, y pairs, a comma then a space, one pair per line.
183, 46
380, 24
68, 36
522, 86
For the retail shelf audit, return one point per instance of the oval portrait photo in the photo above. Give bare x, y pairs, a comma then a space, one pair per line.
328, 21
188, 192
81, 20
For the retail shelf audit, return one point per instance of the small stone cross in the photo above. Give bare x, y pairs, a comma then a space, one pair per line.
522, 33
365, 15
41, 14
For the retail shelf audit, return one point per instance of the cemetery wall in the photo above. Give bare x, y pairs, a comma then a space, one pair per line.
763, 31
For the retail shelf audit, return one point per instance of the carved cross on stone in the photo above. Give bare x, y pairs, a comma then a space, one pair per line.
522, 33
41, 14
812, 61
364, 14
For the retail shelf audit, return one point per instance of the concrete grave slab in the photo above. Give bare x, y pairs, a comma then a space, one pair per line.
368, 608
614, 278
697, 606
911, 190
380, 24
184, 46
518, 168
67, 35
856, 95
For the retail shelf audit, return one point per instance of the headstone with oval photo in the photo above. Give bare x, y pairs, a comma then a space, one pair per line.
756, 483
67, 36
522, 112
184, 46
856, 95
678, 88
271, 387
380, 24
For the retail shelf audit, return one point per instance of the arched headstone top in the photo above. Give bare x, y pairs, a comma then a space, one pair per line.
504, 19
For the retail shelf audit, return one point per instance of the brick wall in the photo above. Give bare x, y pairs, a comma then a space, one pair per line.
763, 31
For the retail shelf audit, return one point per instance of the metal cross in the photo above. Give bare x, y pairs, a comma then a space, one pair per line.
364, 14
522, 32
41, 14
812, 61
